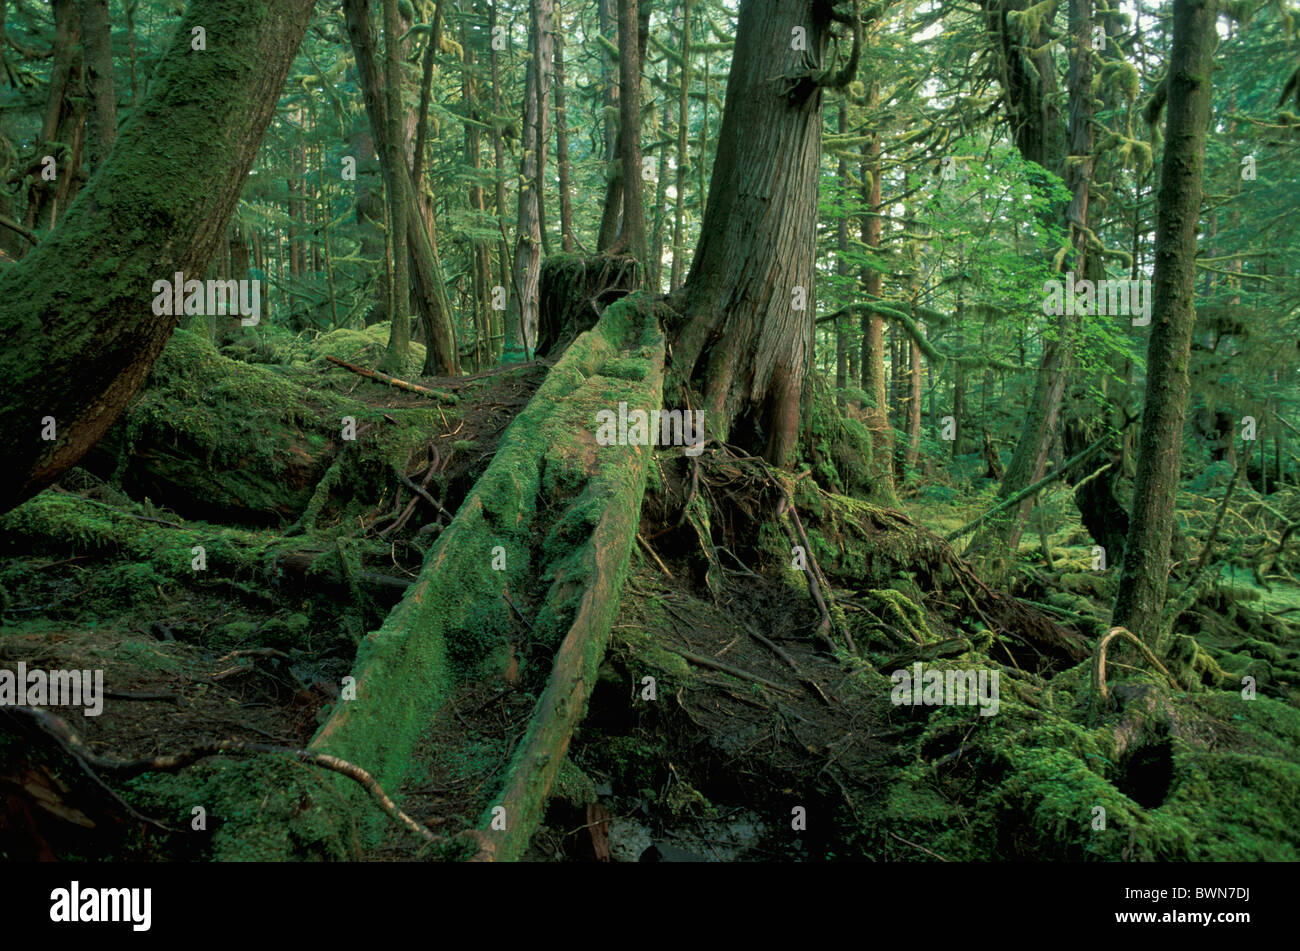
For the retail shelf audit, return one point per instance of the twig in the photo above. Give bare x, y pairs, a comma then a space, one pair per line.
790, 662
915, 846
658, 561
421, 492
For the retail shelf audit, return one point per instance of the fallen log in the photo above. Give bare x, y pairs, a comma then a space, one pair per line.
552, 522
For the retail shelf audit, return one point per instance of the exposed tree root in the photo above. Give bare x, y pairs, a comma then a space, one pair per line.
1099, 660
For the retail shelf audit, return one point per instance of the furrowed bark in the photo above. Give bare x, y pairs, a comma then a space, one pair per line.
748, 301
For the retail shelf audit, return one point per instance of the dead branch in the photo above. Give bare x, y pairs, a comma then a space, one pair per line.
390, 380
67, 739
712, 664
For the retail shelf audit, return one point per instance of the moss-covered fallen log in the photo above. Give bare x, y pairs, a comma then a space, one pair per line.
546, 531
219, 439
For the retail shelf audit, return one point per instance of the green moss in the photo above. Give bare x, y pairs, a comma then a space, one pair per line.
455, 617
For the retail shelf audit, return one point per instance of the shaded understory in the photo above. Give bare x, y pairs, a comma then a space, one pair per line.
727, 715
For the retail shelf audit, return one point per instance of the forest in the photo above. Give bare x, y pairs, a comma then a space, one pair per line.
649, 430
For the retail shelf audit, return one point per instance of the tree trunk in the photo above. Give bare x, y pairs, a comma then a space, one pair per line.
683, 155
425, 267
874, 380
101, 116
748, 301
613, 208
499, 158
75, 313
399, 200
1029, 79
633, 240
63, 123
913, 408
562, 146
521, 320
1144, 577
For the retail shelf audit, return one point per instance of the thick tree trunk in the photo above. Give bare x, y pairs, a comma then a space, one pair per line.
101, 117
749, 301
1145, 573
75, 313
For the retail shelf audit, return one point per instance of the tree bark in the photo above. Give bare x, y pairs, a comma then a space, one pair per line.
101, 116
633, 241
75, 313
521, 319
562, 146
748, 302
1144, 577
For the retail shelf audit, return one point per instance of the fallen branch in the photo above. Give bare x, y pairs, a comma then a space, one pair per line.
422, 492
72, 744
814, 571
712, 664
391, 380
1029, 490
790, 662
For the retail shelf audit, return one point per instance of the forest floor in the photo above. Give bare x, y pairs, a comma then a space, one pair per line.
720, 728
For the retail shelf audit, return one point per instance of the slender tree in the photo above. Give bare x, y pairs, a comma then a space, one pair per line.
1144, 577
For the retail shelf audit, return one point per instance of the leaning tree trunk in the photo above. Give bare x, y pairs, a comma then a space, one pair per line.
748, 301
426, 270
1145, 573
80, 334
